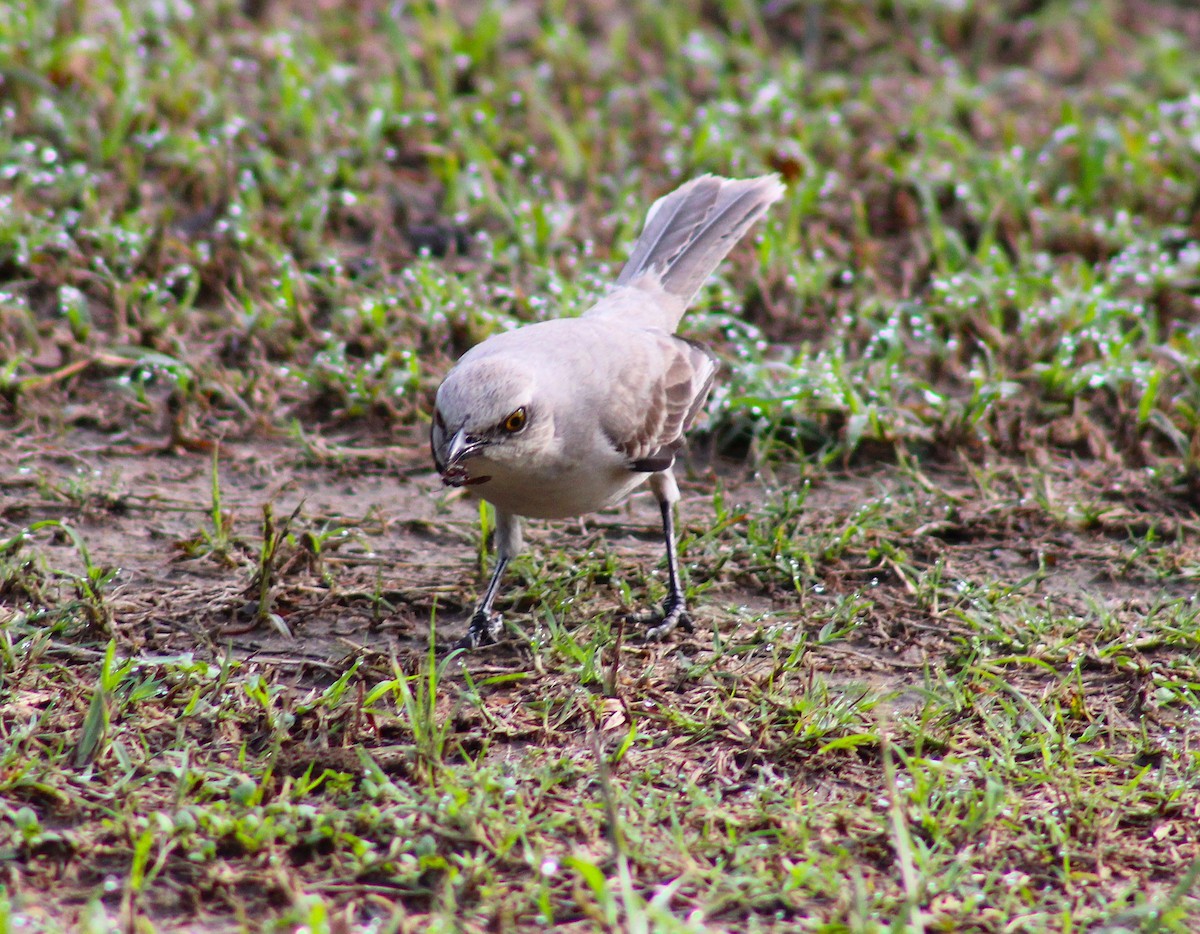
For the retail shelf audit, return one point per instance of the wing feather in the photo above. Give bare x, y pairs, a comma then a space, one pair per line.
655, 409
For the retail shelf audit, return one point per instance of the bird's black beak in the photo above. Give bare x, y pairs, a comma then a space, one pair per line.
460, 447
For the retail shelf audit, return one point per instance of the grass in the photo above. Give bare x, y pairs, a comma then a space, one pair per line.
939, 534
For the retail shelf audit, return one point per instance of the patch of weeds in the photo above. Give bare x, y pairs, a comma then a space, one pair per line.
29, 578
218, 540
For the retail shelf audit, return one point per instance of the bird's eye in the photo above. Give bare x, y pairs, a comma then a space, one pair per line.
515, 421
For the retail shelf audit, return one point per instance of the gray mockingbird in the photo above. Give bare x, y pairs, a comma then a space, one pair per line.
568, 416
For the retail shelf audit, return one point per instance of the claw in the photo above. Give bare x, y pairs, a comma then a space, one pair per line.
484, 629
675, 614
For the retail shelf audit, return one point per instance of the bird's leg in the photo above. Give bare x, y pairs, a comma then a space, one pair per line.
675, 606
486, 626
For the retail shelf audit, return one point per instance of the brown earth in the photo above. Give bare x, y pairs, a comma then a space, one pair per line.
407, 551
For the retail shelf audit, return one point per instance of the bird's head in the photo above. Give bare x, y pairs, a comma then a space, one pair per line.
484, 411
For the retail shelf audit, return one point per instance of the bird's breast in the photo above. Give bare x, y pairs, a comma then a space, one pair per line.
555, 494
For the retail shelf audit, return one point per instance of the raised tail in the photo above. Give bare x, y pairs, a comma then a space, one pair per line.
690, 231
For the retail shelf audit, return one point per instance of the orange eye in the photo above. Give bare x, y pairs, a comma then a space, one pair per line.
515, 422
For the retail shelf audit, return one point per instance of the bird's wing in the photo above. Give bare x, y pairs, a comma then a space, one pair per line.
655, 398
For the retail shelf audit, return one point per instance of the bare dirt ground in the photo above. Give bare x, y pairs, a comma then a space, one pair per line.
407, 552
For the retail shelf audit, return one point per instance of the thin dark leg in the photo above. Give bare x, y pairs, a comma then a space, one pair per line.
485, 626
675, 607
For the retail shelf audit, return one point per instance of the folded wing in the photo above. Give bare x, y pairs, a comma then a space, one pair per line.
654, 405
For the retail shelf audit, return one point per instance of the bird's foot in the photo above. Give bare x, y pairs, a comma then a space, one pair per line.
484, 629
675, 614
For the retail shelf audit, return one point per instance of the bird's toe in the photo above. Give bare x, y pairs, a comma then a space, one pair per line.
484, 629
675, 616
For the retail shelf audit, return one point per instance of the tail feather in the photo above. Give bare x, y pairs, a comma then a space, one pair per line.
671, 223
689, 231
